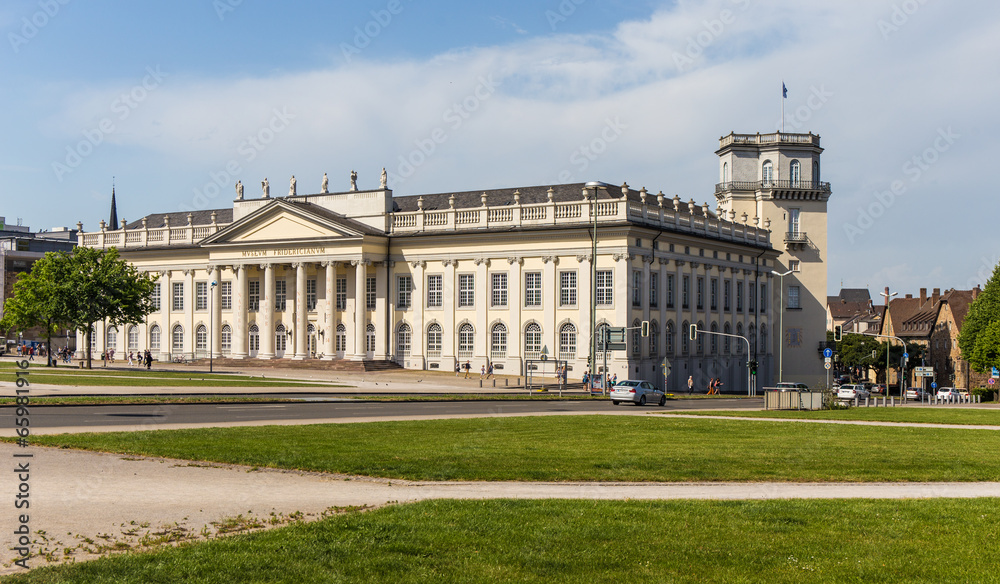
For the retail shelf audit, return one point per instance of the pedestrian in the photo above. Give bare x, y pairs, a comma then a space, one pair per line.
111, 355
614, 380
458, 368
489, 371
31, 353
468, 369
149, 360
586, 377
718, 385
690, 384
131, 355
482, 372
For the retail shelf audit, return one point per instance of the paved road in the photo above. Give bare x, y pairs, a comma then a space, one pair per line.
50, 419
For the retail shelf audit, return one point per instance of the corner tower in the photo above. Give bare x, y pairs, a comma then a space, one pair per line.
775, 180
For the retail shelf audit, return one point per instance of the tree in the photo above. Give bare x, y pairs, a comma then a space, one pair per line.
35, 302
983, 311
102, 287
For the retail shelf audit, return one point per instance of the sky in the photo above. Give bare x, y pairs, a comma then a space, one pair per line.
173, 102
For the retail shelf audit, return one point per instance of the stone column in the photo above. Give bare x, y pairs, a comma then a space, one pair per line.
647, 261
301, 331
482, 348
360, 308
240, 332
449, 352
382, 340
215, 343
583, 301
515, 285
267, 314
418, 300
329, 319
166, 303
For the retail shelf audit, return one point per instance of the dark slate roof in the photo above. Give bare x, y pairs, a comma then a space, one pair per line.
855, 295
223, 217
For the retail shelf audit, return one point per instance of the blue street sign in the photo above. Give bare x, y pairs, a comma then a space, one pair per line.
906, 356
828, 353
995, 373
933, 385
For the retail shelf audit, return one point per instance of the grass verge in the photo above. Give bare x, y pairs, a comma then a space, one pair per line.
581, 448
588, 541
139, 379
917, 415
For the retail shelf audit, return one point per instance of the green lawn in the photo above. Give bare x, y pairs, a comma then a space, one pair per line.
910, 414
142, 378
582, 448
770, 542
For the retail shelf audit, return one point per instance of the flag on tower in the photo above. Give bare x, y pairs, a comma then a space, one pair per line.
784, 90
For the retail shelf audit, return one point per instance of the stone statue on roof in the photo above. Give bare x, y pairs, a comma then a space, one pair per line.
326, 184
354, 180
239, 190
291, 186
384, 181
266, 187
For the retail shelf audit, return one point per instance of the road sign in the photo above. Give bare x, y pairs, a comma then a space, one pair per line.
828, 352
991, 381
995, 374
906, 356
933, 385
665, 364
923, 371
827, 365
615, 337
827, 360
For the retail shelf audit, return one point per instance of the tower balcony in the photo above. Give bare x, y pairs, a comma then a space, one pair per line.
768, 139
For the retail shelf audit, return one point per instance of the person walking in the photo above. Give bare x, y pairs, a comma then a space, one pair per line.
131, 356
690, 384
149, 360
489, 371
468, 369
711, 386
482, 372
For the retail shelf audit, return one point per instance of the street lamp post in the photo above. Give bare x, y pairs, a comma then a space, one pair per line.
885, 325
781, 322
211, 325
594, 187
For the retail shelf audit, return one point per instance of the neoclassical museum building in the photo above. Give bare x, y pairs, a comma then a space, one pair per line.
502, 276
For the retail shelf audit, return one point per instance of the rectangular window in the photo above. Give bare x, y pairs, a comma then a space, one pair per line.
793, 265
567, 288
532, 289
636, 288
727, 292
498, 287
156, 296
253, 295
686, 292
201, 295
466, 289
793, 221
435, 291
763, 297
605, 283
311, 294
700, 305
226, 294
670, 290
341, 293
793, 297
654, 297
280, 294
739, 297
404, 289
752, 301
370, 294
178, 296
714, 294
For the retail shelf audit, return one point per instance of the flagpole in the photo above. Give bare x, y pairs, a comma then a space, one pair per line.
782, 106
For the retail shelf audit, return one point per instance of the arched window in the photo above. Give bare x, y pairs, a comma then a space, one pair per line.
533, 341
133, 338
764, 349
434, 340
341, 339
796, 172
466, 341
815, 171
636, 338
154, 338
725, 172
739, 344
668, 333
201, 339
254, 339
403, 334
177, 339
701, 339
567, 342
713, 342
685, 338
112, 338
227, 339
280, 340
370, 338
752, 336
767, 173
727, 341
654, 339
498, 341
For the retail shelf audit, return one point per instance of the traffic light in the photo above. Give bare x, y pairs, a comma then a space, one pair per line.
838, 332
693, 332
753, 367
645, 328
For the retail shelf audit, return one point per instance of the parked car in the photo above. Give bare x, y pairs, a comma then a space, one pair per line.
916, 393
878, 389
791, 385
852, 391
947, 393
638, 392
963, 392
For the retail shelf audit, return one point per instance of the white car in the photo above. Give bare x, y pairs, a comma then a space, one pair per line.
638, 392
948, 393
852, 391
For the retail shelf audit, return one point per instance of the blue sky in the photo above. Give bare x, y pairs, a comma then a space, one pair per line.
174, 99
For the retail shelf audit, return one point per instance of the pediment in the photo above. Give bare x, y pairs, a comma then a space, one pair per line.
282, 222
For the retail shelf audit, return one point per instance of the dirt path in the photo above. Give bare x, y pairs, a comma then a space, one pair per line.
92, 503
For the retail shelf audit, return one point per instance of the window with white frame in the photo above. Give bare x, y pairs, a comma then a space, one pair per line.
253, 295
201, 295
636, 288
498, 341
341, 339
532, 289
434, 340
280, 338
133, 338
177, 340
533, 341
226, 295
403, 334
154, 337
793, 221
794, 265
605, 288
654, 297
280, 294
567, 288
796, 172
341, 293
793, 297
370, 338
155, 297
311, 294
201, 339
254, 338
466, 341
466, 290
498, 287
670, 290
435, 290
227, 339
404, 290
767, 173
567, 341
112, 338
178, 296
371, 293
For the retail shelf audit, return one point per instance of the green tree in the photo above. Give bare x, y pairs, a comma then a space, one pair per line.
36, 300
986, 353
102, 287
983, 312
